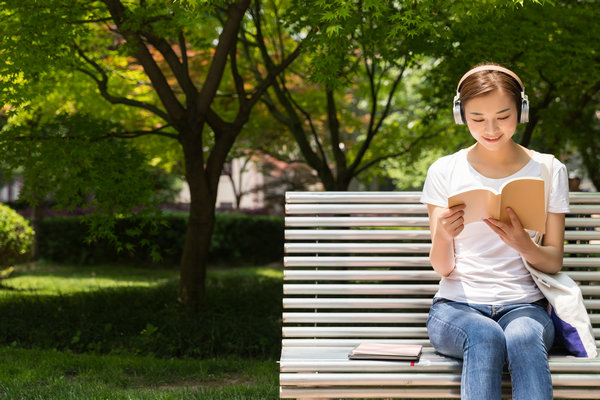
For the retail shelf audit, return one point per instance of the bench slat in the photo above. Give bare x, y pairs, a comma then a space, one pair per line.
354, 331
352, 197
376, 302
394, 275
335, 359
355, 261
399, 222
386, 248
390, 208
358, 234
371, 317
395, 197
395, 234
584, 208
414, 393
356, 341
329, 275
352, 289
399, 379
295, 209
353, 302
357, 221
390, 261
580, 222
358, 248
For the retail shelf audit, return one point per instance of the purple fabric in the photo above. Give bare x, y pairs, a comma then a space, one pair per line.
566, 335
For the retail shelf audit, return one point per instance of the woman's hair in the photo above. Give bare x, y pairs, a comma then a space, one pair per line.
486, 81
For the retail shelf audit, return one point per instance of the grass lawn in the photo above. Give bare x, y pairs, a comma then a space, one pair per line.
43, 304
49, 374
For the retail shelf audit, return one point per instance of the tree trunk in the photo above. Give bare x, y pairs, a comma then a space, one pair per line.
200, 225
195, 251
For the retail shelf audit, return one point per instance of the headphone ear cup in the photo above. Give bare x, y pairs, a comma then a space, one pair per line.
457, 110
524, 108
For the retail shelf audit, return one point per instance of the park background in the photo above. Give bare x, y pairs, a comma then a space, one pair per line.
146, 147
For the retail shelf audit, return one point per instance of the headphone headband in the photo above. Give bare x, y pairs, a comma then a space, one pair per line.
522, 106
489, 67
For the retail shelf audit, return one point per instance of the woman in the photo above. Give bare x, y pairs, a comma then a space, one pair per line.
488, 310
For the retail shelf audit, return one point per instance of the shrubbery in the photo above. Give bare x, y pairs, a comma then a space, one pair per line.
242, 317
16, 237
237, 240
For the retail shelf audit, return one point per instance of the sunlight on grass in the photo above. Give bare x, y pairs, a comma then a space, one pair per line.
41, 278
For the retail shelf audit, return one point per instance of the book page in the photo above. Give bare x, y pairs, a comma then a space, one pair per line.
480, 203
527, 199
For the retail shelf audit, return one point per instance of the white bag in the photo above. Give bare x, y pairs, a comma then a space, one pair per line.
573, 329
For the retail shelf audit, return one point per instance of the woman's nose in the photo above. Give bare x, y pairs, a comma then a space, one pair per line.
491, 125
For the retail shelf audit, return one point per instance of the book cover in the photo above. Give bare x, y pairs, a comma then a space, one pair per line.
525, 196
384, 351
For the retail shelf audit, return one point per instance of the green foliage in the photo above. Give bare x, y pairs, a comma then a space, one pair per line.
16, 237
530, 39
238, 240
241, 317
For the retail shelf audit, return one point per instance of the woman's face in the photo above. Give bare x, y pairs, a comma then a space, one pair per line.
492, 119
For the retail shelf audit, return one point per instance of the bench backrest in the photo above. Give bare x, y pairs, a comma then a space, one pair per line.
356, 266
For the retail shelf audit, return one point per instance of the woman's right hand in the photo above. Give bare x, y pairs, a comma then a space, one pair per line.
451, 220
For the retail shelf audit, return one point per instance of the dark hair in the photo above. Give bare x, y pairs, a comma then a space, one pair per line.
486, 81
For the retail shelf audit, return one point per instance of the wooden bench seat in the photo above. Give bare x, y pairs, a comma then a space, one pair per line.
356, 269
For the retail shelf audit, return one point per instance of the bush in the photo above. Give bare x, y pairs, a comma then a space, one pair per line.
242, 317
237, 240
16, 237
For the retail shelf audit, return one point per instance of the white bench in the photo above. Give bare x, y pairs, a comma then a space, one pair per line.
356, 269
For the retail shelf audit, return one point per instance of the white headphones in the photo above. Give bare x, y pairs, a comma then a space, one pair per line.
457, 105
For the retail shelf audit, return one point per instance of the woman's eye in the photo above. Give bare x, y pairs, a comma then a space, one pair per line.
477, 120
502, 118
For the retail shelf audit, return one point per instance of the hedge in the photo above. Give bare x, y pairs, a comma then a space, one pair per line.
238, 239
16, 236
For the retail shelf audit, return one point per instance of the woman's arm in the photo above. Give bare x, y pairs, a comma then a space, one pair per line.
547, 257
445, 224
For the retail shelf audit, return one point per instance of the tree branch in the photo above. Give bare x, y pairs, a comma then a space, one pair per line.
406, 149
179, 68
159, 82
227, 39
371, 134
102, 84
135, 134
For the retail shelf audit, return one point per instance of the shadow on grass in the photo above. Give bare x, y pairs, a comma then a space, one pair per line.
241, 316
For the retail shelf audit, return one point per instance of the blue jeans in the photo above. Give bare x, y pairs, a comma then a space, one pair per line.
485, 336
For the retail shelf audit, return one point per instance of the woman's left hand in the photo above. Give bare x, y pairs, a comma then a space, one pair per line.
512, 233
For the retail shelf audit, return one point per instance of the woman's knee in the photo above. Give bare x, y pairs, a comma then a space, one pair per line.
527, 334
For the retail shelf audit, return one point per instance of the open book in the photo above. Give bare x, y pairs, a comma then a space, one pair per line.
383, 351
525, 196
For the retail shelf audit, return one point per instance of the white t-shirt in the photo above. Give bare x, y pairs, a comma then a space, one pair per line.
488, 271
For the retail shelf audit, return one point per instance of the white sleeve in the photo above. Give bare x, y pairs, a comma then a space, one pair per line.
559, 191
435, 189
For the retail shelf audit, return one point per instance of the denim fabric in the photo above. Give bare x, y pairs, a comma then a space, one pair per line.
487, 336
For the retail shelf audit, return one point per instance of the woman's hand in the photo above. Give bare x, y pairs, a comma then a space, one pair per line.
451, 220
512, 233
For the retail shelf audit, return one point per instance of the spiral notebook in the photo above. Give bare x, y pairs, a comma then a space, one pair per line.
385, 351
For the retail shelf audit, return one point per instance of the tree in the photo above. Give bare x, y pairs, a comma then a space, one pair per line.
182, 50
554, 49
346, 102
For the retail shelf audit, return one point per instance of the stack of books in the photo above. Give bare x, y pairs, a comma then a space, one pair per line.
384, 351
